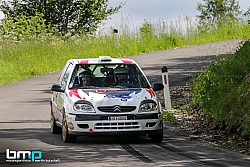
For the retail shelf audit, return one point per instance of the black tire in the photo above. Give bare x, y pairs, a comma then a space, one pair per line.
67, 138
157, 137
54, 128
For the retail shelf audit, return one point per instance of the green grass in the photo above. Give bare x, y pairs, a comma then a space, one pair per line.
36, 56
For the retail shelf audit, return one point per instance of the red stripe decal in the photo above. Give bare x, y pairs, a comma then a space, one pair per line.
74, 92
151, 92
84, 62
126, 61
100, 90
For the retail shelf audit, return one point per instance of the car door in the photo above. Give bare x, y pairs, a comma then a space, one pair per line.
60, 97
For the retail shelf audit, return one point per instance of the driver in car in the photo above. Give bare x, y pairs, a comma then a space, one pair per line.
85, 78
121, 75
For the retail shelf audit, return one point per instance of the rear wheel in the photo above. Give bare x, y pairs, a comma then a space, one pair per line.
54, 128
67, 138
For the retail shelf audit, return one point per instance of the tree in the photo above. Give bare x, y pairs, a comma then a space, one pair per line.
218, 12
77, 15
23, 26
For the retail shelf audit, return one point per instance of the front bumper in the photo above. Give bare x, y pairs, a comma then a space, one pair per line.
101, 125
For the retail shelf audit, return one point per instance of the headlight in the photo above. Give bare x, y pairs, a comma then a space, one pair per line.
147, 106
80, 107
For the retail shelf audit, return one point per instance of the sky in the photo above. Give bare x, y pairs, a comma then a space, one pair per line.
135, 12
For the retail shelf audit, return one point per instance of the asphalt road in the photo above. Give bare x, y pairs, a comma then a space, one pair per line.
25, 121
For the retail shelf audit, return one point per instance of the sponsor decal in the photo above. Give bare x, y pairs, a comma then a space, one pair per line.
123, 94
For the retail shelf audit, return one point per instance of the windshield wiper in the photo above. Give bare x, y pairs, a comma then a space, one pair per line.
126, 85
84, 87
117, 86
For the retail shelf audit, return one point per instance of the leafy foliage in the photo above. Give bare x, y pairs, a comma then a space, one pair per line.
146, 30
168, 116
23, 26
215, 13
67, 15
222, 91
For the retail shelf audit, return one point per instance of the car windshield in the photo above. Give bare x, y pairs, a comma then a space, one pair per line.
89, 76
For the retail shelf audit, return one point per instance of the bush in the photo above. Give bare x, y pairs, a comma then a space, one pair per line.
222, 90
146, 30
168, 116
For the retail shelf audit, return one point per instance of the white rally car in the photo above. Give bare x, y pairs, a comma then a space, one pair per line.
105, 95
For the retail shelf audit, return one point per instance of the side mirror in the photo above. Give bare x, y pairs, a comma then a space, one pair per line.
57, 88
158, 86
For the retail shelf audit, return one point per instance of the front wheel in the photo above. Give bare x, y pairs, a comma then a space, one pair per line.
54, 128
67, 138
157, 137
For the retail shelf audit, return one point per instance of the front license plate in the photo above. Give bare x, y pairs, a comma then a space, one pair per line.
117, 118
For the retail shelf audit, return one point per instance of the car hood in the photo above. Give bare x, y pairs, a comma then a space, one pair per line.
110, 97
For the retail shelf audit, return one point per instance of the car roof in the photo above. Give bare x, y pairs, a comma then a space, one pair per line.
102, 60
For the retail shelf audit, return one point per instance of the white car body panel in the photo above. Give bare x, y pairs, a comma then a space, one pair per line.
121, 103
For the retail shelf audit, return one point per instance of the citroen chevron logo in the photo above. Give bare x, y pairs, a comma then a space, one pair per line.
117, 109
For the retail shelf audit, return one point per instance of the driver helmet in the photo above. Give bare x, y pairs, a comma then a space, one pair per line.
85, 74
121, 74
121, 71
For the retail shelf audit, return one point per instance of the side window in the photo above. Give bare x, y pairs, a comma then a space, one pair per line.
59, 81
66, 75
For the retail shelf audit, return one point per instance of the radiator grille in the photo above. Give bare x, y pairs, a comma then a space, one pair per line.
116, 109
117, 125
